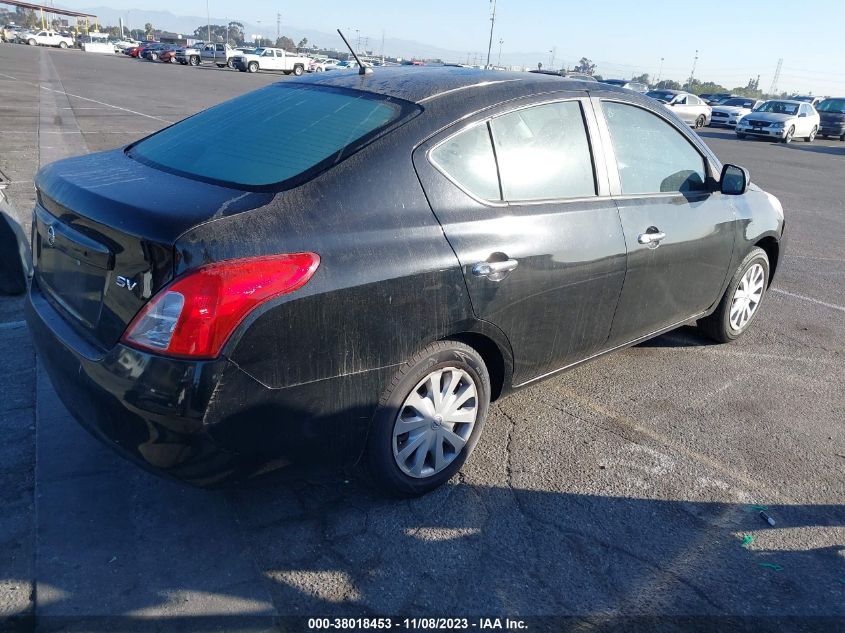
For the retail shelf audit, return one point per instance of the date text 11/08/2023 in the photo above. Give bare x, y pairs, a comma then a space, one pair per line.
416, 624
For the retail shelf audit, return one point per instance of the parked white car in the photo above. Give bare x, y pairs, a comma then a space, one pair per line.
781, 119
49, 38
322, 65
271, 59
690, 109
729, 112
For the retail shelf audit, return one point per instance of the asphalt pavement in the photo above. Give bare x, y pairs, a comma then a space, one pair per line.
627, 487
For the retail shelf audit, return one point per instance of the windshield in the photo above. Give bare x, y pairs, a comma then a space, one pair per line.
832, 105
779, 107
740, 103
272, 135
661, 95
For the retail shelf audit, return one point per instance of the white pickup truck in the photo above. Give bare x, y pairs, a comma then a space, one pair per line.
271, 59
49, 38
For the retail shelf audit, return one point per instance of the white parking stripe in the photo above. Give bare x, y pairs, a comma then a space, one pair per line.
109, 105
810, 299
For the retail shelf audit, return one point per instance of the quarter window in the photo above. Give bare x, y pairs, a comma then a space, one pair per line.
652, 156
467, 158
543, 153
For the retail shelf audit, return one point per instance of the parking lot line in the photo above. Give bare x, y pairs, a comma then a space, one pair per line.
832, 306
109, 105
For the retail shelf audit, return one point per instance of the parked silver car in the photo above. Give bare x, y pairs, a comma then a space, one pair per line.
690, 109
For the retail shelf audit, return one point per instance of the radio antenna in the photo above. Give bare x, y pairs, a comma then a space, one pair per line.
362, 70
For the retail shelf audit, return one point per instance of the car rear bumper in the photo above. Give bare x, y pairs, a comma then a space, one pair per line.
204, 422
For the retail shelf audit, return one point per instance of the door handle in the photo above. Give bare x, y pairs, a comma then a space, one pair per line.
495, 271
651, 238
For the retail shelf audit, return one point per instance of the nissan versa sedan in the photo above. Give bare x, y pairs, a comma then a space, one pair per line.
349, 268
782, 120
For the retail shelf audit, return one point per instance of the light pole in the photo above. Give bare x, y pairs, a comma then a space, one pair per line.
208, 17
659, 73
692, 72
499, 61
552, 54
492, 23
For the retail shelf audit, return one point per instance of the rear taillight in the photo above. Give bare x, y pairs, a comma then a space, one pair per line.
195, 315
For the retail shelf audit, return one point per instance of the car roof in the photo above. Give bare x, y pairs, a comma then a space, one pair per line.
424, 83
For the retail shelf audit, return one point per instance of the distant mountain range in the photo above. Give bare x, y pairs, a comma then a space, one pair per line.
186, 24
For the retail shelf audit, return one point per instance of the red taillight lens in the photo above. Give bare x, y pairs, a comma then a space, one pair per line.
195, 315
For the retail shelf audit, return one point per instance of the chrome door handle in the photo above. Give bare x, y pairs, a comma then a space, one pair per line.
494, 269
651, 238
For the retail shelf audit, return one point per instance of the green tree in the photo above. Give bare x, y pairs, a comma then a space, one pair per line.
302, 43
148, 31
668, 84
284, 42
585, 66
643, 79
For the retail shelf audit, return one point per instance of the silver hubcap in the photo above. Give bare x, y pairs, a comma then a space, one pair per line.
435, 422
747, 297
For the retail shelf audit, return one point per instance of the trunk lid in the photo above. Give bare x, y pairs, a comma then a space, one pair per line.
104, 230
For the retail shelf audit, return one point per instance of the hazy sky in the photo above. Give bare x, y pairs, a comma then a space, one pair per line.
621, 36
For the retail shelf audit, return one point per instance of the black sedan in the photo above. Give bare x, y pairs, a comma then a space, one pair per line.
347, 267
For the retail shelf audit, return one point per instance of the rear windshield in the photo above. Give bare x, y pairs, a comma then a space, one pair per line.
832, 105
271, 136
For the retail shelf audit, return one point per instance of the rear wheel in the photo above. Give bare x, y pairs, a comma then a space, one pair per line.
298, 70
741, 301
31, 42
700, 121
230, 63
812, 136
62, 44
429, 419
789, 134
153, 57
253, 67
221, 65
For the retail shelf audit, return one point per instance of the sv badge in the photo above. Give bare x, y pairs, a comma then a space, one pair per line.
125, 282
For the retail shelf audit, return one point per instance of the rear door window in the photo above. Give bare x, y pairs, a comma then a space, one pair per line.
468, 160
280, 133
543, 153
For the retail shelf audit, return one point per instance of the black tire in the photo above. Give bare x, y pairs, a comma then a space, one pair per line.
812, 137
842, 138
252, 67
825, 135
790, 133
380, 461
221, 65
230, 63
700, 122
298, 70
31, 42
740, 135
194, 60
153, 57
62, 44
13, 248
717, 326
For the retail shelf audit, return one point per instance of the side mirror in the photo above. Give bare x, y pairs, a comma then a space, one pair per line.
734, 180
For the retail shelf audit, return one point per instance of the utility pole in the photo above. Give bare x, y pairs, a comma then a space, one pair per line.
492, 24
278, 26
774, 88
358, 36
692, 72
208, 16
552, 54
659, 72
382, 47
499, 61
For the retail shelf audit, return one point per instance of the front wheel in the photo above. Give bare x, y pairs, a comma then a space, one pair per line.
741, 301
153, 57
429, 419
253, 67
31, 42
221, 65
230, 63
812, 136
194, 61
790, 133
700, 121
62, 44
298, 70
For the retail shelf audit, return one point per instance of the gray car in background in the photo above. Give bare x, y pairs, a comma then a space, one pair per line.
690, 109
636, 86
